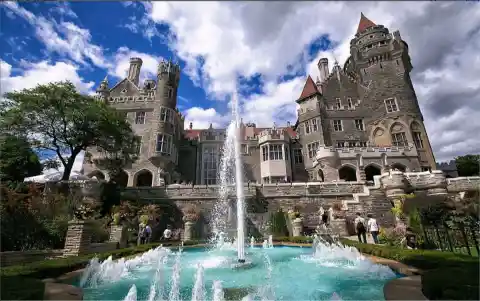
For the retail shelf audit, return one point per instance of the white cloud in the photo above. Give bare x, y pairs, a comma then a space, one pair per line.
33, 74
77, 165
202, 118
247, 38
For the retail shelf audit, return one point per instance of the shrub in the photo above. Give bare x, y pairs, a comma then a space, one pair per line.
393, 236
293, 239
278, 223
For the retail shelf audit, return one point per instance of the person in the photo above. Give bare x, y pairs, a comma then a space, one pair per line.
167, 233
141, 234
410, 240
325, 218
360, 227
148, 233
372, 228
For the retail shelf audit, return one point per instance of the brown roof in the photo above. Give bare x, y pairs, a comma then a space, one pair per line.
364, 23
309, 89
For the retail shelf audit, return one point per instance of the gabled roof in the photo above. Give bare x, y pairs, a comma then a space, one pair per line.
364, 23
309, 89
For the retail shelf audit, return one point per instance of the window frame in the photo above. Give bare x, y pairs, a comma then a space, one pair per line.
389, 107
361, 123
334, 126
297, 156
137, 116
168, 142
395, 142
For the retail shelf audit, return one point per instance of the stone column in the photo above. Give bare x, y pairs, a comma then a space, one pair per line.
118, 233
189, 229
297, 227
78, 238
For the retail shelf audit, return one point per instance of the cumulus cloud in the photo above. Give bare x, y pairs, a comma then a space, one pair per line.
33, 74
222, 40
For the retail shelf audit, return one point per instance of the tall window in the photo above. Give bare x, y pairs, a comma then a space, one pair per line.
210, 164
275, 152
164, 144
337, 126
265, 152
350, 103
399, 139
314, 125
391, 105
340, 144
359, 124
417, 139
168, 92
140, 118
139, 145
338, 103
166, 115
308, 129
297, 156
312, 149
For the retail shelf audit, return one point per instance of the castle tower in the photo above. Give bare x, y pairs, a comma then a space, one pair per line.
381, 62
134, 70
103, 92
168, 77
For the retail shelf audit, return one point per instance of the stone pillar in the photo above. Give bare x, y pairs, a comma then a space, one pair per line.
394, 184
297, 227
78, 238
118, 233
188, 232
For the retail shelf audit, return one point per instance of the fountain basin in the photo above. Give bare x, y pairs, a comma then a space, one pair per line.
292, 274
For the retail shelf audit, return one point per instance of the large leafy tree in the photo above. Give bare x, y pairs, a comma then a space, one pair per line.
17, 159
58, 118
468, 165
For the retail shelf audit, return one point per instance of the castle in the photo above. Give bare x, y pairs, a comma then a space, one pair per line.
353, 123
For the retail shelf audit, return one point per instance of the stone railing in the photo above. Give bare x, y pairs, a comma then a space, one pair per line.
22, 257
463, 184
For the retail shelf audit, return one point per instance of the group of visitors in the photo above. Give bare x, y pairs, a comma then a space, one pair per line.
145, 234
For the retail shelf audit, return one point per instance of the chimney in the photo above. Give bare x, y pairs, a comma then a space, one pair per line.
323, 68
134, 70
190, 126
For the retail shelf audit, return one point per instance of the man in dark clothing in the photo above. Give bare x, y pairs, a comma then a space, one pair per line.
361, 229
325, 218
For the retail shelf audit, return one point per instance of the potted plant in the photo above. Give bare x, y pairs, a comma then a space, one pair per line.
191, 213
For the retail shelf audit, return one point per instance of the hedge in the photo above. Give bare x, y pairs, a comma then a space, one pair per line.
446, 275
294, 239
14, 279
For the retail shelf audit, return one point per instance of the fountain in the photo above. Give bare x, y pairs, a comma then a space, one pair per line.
163, 274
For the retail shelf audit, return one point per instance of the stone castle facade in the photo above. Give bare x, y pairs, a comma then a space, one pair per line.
354, 122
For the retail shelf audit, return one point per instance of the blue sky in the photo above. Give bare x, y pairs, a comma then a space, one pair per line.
262, 50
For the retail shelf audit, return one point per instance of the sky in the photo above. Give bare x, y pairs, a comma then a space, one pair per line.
262, 50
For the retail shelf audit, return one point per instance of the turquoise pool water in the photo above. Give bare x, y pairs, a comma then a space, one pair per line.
279, 273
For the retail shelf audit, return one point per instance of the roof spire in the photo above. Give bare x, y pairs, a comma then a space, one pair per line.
364, 23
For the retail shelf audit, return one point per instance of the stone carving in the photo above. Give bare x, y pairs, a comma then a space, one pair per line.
397, 127
379, 132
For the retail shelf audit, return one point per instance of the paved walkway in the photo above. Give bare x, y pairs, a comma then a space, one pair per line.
355, 238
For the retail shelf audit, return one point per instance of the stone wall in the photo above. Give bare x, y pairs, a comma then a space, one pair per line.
308, 198
23, 257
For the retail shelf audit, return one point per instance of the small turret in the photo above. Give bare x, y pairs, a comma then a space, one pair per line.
168, 77
103, 91
134, 70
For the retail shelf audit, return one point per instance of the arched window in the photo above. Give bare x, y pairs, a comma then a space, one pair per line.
397, 132
399, 166
320, 176
143, 178
347, 173
371, 171
121, 179
417, 135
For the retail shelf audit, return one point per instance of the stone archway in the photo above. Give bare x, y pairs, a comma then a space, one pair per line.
399, 166
143, 178
97, 174
347, 173
371, 171
121, 179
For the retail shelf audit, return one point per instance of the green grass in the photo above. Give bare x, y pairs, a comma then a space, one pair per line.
23, 282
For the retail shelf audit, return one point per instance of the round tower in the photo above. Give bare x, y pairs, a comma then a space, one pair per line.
134, 70
168, 77
103, 92
381, 63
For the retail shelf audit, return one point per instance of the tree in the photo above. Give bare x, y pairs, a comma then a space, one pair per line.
17, 159
468, 165
60, 119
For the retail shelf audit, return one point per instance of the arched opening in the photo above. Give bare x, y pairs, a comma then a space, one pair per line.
143, 178
417, 136
397, 132
370, 172
320, 175
97, 174
399, 166
347, 173
121, 179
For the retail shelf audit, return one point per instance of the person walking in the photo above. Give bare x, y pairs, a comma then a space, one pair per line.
360, 227
373, 228
148, 234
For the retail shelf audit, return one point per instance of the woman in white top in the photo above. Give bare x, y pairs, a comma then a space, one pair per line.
372, 228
